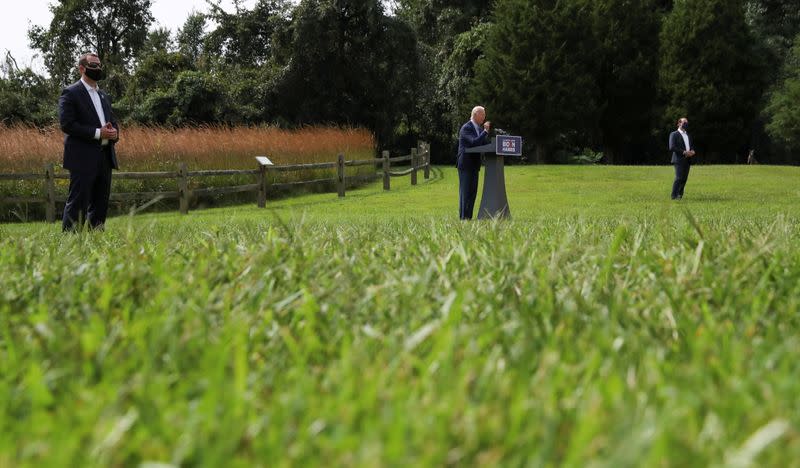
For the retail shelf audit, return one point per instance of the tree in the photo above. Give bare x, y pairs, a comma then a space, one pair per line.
457, 73
147, 96
158, 40
116, 31
782, 110
625, 37
350, 64
439, 22
25, 96
193, 98
244, 38
449, 34
775, 23
710, 72
198, 98
535, 76
191, 36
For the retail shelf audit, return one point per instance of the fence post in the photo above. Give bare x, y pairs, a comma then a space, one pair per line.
262, 186
427, 159
183, 187
413, 166
386, 164
340, 170
50, 193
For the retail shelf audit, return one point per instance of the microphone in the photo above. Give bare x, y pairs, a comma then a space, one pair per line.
500, 131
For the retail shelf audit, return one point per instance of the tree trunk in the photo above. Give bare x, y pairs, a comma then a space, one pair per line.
539, 156
609, 155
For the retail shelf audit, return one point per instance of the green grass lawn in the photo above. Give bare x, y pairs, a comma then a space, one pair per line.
605, 325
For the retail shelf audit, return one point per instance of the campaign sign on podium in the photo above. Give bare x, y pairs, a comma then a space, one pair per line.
508, 145
494, 203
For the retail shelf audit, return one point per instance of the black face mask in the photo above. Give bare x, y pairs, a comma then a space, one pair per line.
685, 125
94, 73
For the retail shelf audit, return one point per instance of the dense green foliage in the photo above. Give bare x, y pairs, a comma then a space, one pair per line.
349, 63
783, 109
775, 23
610, 75
610, 69
539, 76
623, 61
116, 31
604, 325
710, 71
25, 97
563, 88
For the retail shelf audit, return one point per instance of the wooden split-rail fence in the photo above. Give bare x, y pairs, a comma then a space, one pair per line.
419, 159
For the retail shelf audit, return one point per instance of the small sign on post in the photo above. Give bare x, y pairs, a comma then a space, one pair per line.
508, 145
264, 161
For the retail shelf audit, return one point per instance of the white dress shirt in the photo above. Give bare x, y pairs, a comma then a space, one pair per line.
98, 107
685, 138
478, 128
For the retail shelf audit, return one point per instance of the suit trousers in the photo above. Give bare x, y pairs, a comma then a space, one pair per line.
467, 191
88, 196
682, 167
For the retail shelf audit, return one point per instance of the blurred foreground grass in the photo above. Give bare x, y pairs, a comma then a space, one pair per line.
599, 327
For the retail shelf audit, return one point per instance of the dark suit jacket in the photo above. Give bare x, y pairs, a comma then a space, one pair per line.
677, 146
79, 121
469, 137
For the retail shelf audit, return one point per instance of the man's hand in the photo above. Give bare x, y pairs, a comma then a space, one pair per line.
108, 132
690, 154
487, 125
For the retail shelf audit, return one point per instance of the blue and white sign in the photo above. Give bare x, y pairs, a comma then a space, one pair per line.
506, 145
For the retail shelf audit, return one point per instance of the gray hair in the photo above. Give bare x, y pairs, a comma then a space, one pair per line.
477, 109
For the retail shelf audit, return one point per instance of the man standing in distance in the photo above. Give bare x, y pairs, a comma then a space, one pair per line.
90, 132
682, 149
473, 133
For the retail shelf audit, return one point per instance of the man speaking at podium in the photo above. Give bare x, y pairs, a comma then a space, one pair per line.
473, 133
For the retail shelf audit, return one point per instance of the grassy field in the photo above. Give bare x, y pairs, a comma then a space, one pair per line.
603, 326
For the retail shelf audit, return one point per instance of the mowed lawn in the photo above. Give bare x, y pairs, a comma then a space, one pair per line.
605, 325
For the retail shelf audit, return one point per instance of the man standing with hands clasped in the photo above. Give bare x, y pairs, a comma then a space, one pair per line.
682, 149
473, 133
91, 131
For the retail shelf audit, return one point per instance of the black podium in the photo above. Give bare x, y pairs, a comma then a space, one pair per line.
494, 203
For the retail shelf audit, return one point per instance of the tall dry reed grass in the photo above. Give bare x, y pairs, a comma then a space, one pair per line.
27, 149
24, 148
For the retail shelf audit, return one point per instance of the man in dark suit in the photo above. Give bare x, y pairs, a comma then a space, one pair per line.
682, 149
473, 133
90, 132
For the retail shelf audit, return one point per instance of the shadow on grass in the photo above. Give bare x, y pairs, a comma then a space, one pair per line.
708, 197
364, 192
